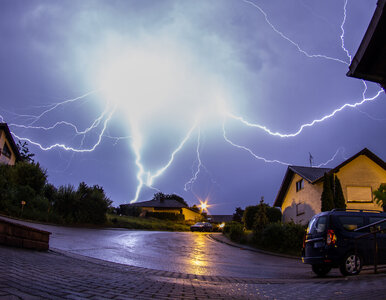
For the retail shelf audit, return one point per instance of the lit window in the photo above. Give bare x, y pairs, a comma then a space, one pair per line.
359, 194
299, 185
6, 151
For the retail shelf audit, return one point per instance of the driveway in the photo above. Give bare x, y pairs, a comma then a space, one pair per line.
186, 252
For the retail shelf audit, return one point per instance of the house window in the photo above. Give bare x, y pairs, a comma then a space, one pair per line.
6, 151
299, 185
359, 194
300, 209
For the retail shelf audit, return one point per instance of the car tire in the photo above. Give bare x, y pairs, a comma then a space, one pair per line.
347, 267
321, 270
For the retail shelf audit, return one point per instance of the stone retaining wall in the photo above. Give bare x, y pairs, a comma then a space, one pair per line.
17, 235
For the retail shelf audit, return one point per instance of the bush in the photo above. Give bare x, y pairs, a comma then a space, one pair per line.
249, 216
127, 210
279, 237
234, 230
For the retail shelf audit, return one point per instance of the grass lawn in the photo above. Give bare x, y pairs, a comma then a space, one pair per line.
146, 223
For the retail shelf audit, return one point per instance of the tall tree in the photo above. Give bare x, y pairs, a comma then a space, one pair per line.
261, 219
25, 154
338, 194
238, 215
327, 197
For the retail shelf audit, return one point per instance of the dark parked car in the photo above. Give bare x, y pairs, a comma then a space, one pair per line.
330, 241
200, 226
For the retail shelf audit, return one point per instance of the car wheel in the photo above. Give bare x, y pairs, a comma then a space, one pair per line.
348, 266
321, 270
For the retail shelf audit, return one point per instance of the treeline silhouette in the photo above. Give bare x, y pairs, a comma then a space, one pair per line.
25, 192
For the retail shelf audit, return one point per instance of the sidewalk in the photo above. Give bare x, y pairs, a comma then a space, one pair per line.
27, 274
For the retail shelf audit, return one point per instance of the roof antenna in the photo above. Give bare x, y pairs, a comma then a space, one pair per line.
311, 159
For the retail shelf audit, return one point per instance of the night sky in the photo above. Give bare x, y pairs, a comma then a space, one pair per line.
119, 93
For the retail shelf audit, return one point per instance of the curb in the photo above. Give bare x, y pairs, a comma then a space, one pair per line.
225, 240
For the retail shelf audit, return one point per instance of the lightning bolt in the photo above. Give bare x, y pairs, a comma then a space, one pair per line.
68, 148
310, 124
189, 184
285, 37
332, 158
342, 30
249, 150
136, 145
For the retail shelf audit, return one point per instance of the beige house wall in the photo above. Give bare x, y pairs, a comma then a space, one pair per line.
300, 206
191, 215
3, 158
362, 172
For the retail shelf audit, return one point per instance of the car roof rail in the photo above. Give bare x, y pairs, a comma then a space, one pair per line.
357, 209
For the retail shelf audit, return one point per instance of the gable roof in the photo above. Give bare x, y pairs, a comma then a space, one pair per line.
314, 174
11, 142
167, 203
310, 174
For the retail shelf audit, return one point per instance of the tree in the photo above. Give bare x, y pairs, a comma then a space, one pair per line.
238, 215
327, 197
338, 194
274, 214
177, 198
380, 196
25, 154
261, 219
249, 216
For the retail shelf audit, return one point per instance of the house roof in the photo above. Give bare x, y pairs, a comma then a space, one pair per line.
314, 174
220, 218
310, 174
365, 152
369, 61
8, 135
167, 203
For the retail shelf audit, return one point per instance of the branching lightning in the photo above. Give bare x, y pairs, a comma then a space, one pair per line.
285, 37
310, 124
188, 185
146, 178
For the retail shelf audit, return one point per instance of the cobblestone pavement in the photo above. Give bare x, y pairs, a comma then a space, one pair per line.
26, 274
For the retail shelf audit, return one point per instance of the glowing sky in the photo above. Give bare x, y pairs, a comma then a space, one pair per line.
198, 98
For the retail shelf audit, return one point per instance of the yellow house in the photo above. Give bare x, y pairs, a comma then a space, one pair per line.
300, 193
168, 205
9, 152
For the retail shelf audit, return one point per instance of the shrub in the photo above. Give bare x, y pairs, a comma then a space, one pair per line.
280, 237
234, 230
127, 210
249, 216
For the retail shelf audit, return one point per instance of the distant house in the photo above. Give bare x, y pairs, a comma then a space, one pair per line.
220, 218
9, 153
299, 196
167, 205
369, 62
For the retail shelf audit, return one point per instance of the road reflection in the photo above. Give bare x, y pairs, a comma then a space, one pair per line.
196, 262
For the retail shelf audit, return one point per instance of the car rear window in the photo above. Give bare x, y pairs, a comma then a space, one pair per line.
317, 225
377, 219
351, 223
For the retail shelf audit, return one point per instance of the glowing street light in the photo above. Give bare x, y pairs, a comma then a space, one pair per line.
204, 205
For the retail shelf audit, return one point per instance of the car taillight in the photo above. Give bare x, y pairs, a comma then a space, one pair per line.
304, 241
331, 237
